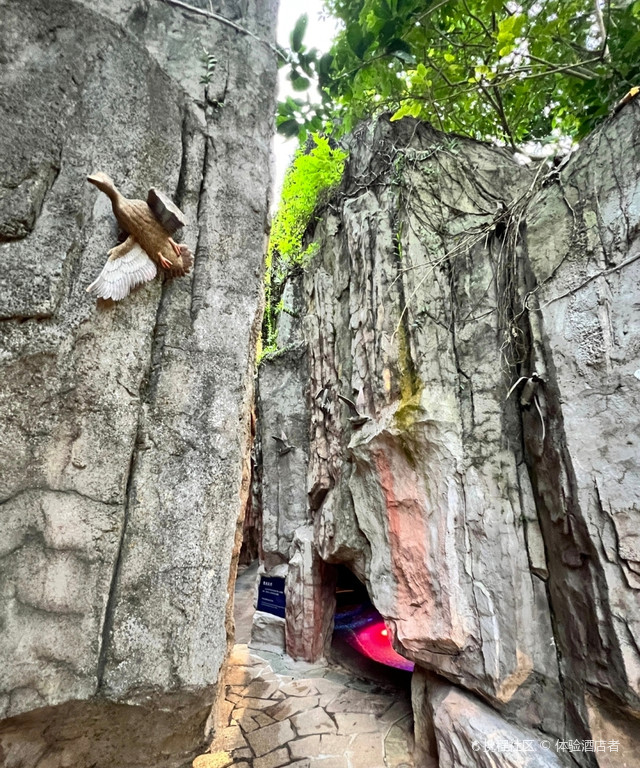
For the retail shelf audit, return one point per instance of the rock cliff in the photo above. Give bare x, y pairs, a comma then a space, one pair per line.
124, 445
482, 316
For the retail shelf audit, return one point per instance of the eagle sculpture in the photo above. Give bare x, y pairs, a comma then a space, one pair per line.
149, 244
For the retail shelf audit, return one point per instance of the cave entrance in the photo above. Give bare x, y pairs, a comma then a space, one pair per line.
361, 641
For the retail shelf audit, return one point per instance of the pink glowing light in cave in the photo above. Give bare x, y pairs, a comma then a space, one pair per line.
373, 641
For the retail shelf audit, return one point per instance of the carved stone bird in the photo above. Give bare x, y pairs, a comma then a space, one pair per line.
357, 419
149, 226
284, 446
529, 394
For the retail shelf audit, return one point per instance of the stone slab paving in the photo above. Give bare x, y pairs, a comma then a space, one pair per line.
284, 714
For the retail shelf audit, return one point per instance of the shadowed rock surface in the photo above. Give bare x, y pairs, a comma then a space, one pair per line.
125, 434
496, 532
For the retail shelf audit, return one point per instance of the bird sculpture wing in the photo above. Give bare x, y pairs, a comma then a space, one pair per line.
171, 218
350, 403
127, 266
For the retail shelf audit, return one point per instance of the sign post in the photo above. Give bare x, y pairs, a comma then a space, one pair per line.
271, 598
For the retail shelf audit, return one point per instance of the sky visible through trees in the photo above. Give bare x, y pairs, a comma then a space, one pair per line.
320, 34
510, 72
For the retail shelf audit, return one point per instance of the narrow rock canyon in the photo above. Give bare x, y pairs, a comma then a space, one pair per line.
449, 427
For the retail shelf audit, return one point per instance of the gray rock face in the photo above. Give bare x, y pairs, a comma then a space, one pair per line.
469, 734
126, 427
491, 512
288, 547
587, 480
283, 404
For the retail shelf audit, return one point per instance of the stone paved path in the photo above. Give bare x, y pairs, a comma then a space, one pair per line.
306, 716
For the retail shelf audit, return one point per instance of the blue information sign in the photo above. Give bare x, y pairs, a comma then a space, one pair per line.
271, 595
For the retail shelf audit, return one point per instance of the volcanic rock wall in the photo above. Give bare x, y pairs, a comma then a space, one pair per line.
494, 525
125, 433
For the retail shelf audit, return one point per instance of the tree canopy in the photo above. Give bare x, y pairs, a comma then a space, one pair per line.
511, 71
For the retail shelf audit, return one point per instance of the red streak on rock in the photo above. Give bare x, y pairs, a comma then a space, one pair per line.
404, 501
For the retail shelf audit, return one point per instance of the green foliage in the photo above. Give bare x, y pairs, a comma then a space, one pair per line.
209, 62
298, 116
315, 171
312, 173
512, 71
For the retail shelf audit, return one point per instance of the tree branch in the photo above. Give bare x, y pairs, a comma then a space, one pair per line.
499, 110
603, 29
477, 18
571, 69
603, 273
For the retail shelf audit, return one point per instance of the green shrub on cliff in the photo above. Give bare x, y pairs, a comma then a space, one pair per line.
309, 179
316, 170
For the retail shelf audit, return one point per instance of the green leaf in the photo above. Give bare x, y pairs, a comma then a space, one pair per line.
298, 31
404, 111
359, 42
633, 45
386, 32
509, 29
354, 38
383, 10
389, 52
324, 65
288, 127
305, 64
300, 83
